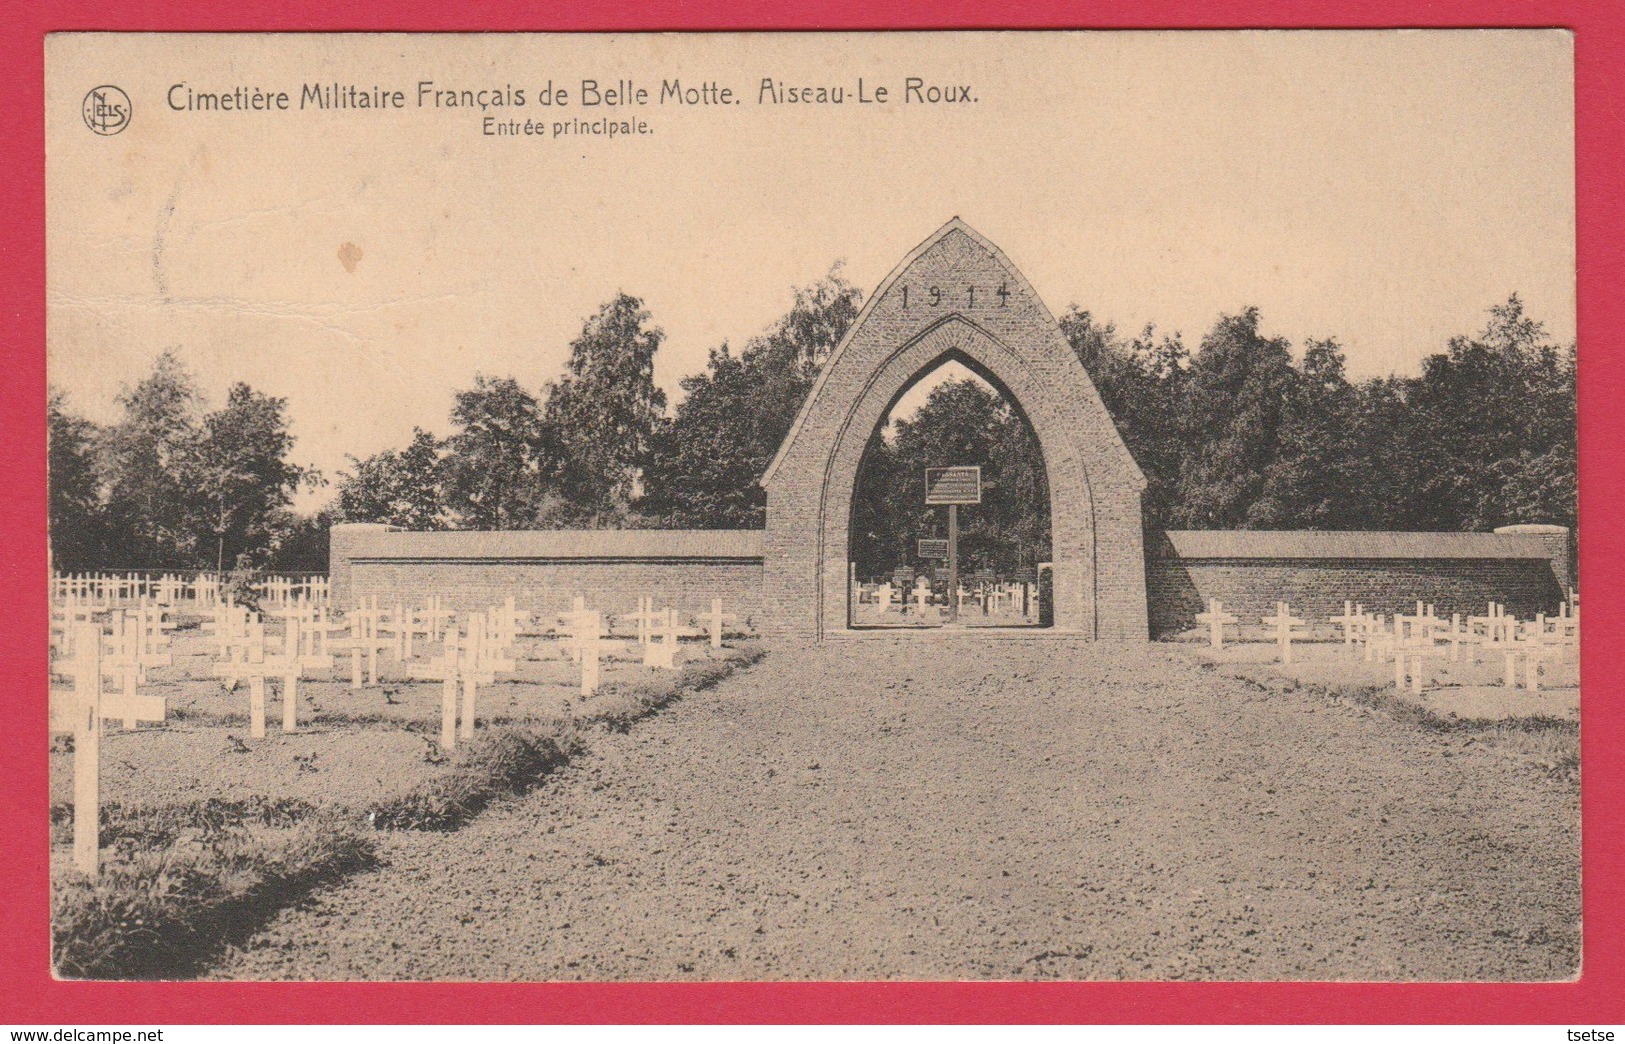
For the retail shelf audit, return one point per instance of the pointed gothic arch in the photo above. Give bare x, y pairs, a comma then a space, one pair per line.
956, 295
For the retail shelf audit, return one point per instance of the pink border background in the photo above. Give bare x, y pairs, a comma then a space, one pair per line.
29, 995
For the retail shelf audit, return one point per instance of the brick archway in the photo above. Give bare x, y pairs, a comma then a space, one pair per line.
956, 296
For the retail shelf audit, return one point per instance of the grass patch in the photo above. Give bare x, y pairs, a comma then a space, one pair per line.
165, 912
499, 762
156, 825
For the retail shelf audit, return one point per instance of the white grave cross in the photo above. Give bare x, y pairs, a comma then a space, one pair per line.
250, 665
718, 618
585, 628
300, 645
363, 638
1216, 619
1353, 616
663, 653
1283, 621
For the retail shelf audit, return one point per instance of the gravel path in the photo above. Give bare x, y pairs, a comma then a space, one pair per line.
1012, 809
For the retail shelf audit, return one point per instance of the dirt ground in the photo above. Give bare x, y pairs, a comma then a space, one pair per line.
947, 808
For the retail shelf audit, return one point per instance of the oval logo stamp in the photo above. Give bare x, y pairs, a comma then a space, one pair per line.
106, 109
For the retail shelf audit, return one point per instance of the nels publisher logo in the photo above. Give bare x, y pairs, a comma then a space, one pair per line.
107, 109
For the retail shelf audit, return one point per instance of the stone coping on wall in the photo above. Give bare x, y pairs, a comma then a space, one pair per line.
1299, 544
554, 545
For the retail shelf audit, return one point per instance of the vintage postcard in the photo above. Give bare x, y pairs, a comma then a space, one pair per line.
826, 506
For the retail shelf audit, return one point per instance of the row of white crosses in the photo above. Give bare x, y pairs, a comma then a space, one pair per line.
646, 619
407, 627
137, 641
367, 636
1005, 597
311, 639
66, 618
1416, 637
585, 634
151, 618
886, 595
281, 590
1215, 619
1413, 638
474, 655
81, 712
105, 590
469, 657
203, 590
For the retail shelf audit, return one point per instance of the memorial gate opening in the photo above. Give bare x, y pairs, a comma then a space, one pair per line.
956, 296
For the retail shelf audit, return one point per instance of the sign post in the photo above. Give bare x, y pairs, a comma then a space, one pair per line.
953, 486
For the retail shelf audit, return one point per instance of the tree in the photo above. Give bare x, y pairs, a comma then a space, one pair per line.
76, 523
303, 542
706, 461
1144, 386
1538, 487
237, 472
1318, 477
1236, 406
494, 465
1486, 409
399, 488
602, 414
148, 504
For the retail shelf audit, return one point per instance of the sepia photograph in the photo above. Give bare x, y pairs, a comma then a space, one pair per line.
878, 506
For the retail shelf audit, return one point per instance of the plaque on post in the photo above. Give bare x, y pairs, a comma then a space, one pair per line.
953, 486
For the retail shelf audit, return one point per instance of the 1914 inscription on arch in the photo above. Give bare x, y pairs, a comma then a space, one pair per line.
953, 296
956, 297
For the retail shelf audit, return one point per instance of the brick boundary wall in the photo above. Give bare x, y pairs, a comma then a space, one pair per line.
1315, 572
1559, 545
543, 571
1525, 568
549, 586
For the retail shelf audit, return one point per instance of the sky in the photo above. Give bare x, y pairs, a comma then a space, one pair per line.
1384, 188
